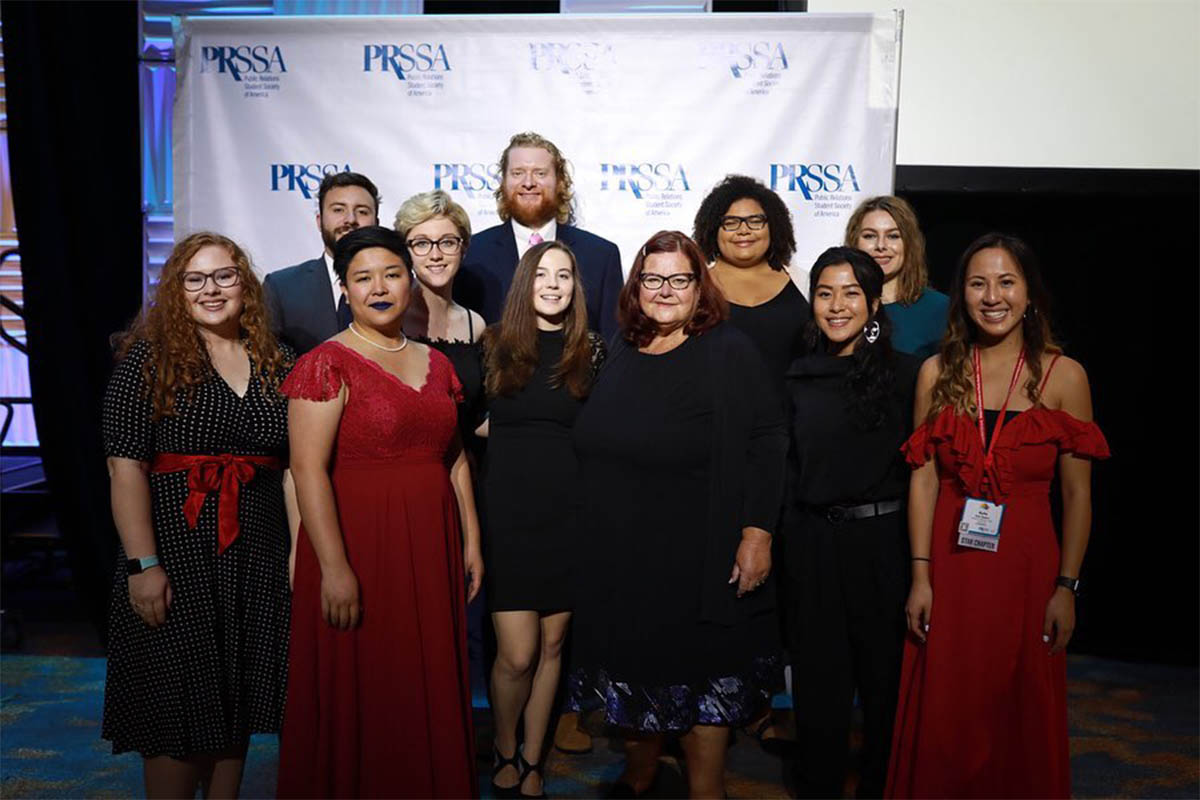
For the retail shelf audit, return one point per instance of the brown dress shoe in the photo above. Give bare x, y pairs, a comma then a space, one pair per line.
569, 738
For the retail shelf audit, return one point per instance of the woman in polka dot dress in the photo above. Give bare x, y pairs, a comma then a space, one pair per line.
196, 436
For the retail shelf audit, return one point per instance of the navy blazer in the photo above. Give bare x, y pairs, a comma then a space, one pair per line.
491, 261
300, 305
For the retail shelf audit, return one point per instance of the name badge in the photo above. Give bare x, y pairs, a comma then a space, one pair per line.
979, 527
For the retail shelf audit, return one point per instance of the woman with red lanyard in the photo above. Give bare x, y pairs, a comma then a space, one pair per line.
195, 431
982, 707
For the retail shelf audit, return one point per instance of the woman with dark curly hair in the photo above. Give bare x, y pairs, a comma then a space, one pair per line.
847, 555
745, 231
195, 430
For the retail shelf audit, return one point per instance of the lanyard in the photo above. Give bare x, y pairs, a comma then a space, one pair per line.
987, 458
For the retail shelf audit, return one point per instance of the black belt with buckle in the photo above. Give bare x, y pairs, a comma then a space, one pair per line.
839, 514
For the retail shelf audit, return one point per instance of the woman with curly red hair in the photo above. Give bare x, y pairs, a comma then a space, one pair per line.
195, 431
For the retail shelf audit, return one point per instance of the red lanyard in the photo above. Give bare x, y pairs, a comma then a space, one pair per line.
987, 458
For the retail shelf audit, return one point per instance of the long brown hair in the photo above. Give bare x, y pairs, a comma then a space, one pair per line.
711, 307
179, 359
914, 272
511, 347
954, 387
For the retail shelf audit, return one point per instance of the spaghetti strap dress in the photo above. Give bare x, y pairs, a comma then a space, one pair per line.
982, 710
383, 710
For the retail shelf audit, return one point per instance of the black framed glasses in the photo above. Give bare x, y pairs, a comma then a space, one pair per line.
223, 277
447, 245
755, 222
653, 282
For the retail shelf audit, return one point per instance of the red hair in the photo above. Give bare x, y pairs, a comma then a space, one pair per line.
711, 308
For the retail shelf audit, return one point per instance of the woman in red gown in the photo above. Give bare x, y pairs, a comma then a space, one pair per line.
982, 707
378, 701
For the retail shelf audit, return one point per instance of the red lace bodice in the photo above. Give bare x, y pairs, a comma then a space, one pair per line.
384, 419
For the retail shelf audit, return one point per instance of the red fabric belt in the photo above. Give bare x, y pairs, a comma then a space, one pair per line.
209, 473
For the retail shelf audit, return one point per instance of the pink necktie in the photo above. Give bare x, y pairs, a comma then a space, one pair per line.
535, 239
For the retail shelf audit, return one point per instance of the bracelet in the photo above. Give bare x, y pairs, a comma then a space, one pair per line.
921, 558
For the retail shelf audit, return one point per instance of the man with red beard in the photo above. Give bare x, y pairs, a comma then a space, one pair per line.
305, 301
536, 203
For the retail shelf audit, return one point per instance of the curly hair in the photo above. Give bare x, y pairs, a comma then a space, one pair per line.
711, 307
565, 193
914, 272
511, 347
716, 205
428, 205
179, 359
870, 381
954, 387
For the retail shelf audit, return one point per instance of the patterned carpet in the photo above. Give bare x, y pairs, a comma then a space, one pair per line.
1133, 734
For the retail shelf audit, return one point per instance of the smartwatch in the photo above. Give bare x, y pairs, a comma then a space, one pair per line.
136, 566
1068, 583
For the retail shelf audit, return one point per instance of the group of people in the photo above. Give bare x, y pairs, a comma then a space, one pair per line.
668, 485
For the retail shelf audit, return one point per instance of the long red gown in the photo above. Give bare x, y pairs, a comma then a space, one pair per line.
982, 710
383, 710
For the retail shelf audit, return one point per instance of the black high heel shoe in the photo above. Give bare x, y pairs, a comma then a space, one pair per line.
499, 762
526, 769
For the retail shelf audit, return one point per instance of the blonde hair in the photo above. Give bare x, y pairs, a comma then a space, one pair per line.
427, 205
914, 272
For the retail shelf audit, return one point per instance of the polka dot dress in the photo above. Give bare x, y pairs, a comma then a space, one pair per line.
216, 671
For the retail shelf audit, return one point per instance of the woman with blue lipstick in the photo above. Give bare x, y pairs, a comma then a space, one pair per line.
379, 700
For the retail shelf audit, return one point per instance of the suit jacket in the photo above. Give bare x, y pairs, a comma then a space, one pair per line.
300, 304
491, 261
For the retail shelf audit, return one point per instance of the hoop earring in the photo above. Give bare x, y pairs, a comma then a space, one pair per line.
872, 332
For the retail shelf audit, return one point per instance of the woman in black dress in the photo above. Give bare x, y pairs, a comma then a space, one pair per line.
745, 230
847, 549
681, 460
196, 437
437, 231
540, 362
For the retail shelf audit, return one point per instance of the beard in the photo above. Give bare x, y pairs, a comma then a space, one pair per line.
531, 217
330, 235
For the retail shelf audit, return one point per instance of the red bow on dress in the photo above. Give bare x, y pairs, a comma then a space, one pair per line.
208, 473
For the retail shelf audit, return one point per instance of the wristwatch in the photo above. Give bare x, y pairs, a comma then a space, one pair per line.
1068, 583
136, 566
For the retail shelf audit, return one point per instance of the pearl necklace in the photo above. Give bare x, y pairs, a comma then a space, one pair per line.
403, 344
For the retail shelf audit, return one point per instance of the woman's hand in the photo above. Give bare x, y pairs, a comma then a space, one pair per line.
150, 595
752, 564
339, 597
473, 564
1060, 619
919, 609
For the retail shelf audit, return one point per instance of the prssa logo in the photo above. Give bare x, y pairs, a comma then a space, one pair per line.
401, 59
303, 178
256, 59
569, 57
809, 178
456, 177
756, 56
644, 177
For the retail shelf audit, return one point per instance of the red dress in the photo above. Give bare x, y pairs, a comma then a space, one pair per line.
982, 710
383, 710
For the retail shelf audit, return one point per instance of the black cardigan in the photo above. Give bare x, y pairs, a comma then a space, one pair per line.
747, 470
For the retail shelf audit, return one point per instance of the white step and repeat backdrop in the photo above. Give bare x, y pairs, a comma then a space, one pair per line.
651, 112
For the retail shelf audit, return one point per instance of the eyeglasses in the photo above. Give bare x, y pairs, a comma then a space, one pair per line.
679, 281
755, 222
447, 245
223, 277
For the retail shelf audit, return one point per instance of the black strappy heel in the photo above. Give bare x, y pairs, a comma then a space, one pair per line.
499, 762
526, 769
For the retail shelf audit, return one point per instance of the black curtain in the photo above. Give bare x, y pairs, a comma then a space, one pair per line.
73, 134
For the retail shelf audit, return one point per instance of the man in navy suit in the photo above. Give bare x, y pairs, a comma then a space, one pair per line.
305, 302
536, 203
